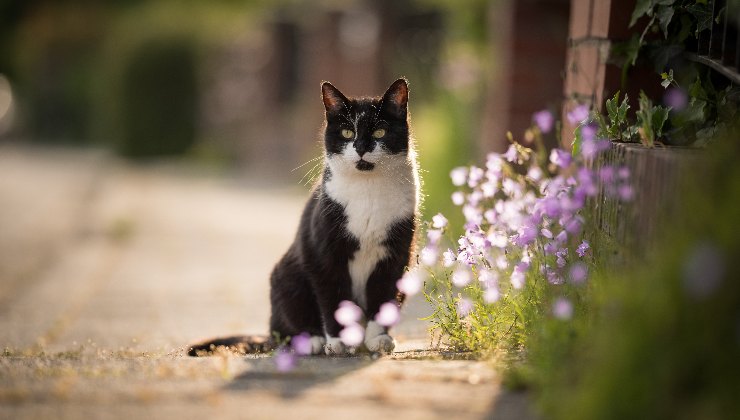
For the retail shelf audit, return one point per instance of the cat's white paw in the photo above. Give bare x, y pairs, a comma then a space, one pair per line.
334, 346
317, 344
380, 344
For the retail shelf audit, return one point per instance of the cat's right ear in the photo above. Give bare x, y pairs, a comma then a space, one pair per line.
334, 101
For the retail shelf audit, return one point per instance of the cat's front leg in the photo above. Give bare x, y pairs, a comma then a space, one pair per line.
377, 339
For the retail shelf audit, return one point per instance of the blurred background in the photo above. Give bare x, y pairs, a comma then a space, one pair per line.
234, 85
155, 155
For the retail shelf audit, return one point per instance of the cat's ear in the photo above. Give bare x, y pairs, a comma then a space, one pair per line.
334, 101
396, 98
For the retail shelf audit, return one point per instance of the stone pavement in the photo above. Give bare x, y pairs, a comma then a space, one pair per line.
108, 269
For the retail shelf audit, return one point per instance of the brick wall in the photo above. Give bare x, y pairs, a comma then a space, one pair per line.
595, 25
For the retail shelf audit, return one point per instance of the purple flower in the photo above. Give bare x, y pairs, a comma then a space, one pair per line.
626, 193
553, 277
517, 280
578, 115
488, 278
624, 173
434, 236
284, 360
704, 270
475, 176
562, 237
560, 158
544, 120
562, 309
449, 258
458, 198
411, 282
511, 154
301, 344
582, 248
388, 315
588, 132
586, 182
546, 233
578, 273
352, 335
491, 295
573, 225
590, 148
429, 255
551, 248
439, 221
526, 236
459, 176
550, 206
535, 173
676, 98
347, 313
606, 174
461, 277
489, 188
464, 307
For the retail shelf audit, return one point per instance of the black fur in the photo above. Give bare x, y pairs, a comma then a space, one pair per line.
312, 278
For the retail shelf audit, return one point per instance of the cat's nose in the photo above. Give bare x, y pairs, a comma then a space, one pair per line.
364, 146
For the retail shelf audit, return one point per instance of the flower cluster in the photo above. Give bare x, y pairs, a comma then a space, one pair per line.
523, 219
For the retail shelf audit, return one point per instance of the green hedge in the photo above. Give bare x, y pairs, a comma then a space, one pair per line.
660, 337
159, 98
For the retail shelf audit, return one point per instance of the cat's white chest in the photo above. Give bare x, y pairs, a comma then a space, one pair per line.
372, 204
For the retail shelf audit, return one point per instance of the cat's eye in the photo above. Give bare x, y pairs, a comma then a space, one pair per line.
378, 133
347, 134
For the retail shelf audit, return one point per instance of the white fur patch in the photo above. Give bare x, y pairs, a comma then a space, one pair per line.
334, 346
373, 330
373, 201
380, 344
377, 340
317, 344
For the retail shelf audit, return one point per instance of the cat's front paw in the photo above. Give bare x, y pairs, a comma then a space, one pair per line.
382, 343
317, 344
334, 346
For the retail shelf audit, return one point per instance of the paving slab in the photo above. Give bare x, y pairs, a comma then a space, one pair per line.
109, 269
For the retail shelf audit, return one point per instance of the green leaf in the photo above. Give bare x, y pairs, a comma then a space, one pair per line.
611, 107
696, 90
645, 120
623, 108
641, 8
664, 15
659, 115
576, 145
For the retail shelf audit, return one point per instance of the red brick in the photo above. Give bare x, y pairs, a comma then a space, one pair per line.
580, 18
600, 17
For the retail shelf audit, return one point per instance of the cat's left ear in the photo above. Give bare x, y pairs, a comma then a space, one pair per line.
334, 101
396, 98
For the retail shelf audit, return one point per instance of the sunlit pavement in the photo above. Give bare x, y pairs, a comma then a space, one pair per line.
107, 270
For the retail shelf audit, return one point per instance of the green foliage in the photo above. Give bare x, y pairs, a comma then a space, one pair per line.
651, 119
490, 327
659, 339
678, 21
159, 99
618, 127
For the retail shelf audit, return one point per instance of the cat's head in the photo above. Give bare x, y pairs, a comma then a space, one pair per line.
366, 134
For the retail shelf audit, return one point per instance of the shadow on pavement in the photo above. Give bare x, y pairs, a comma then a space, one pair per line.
310, 372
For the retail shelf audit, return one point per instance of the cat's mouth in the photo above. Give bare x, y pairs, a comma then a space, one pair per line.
363, 165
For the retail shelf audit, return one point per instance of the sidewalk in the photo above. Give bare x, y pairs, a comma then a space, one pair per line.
108, 270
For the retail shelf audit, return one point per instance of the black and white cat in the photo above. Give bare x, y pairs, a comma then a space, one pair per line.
357, 230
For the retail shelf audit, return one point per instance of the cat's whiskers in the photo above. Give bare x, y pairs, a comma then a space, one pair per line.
319, 157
